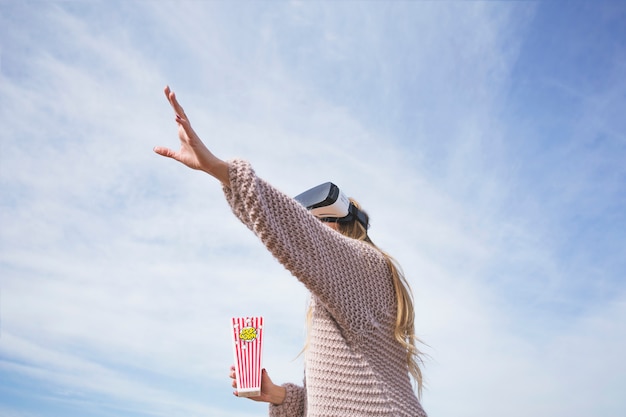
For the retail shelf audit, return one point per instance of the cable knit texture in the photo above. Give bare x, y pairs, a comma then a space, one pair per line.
353, 365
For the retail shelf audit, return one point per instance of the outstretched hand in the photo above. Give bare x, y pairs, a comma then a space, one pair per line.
270, 392
193, 152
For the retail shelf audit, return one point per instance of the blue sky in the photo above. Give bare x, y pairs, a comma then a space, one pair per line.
486, 140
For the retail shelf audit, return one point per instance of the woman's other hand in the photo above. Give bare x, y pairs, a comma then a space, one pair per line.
270, 392
193, 152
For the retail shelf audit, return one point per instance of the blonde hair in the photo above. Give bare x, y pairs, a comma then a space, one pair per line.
404, 331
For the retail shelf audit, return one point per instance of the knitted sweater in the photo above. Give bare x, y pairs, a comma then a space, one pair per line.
353, 365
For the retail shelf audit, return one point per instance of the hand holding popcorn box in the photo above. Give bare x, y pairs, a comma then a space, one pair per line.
247, 335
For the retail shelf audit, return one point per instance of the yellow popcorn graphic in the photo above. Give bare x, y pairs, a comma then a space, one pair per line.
248, 334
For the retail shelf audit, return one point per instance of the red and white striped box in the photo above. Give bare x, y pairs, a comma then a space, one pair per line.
247, 333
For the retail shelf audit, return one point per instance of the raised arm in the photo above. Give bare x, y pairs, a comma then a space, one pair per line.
193, 152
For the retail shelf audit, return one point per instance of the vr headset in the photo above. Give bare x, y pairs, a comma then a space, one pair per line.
329, 204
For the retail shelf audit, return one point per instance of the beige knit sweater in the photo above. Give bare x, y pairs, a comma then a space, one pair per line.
353, 365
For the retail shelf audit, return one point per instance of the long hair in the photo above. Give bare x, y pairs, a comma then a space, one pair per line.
404, 331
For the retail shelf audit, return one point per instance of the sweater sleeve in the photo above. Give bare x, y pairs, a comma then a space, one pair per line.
351, 278
294, 403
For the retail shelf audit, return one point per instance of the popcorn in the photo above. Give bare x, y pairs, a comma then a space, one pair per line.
247, 335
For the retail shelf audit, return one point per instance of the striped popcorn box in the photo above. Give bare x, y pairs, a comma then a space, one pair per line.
247, 345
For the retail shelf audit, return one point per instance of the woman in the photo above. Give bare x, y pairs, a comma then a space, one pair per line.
362, 348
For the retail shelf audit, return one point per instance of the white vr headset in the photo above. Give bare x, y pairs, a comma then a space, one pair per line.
328, 203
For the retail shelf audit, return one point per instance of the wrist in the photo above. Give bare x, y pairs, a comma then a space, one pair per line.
278, 395
220, 170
